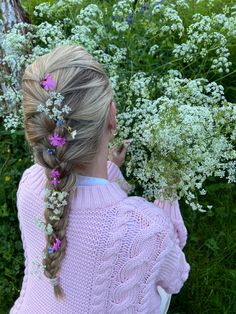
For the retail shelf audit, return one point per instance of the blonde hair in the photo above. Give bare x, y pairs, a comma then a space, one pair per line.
87, 91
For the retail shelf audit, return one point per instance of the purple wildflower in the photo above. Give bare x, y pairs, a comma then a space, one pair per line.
48, 82
55, 173
57, 140
55, 181
56, 245
130, 18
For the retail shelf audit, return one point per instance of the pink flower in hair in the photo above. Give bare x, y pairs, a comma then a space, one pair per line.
55, 181
55, 173
56, 245
57, 140
48, 82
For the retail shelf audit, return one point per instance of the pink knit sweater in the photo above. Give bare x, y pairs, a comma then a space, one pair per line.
119, 249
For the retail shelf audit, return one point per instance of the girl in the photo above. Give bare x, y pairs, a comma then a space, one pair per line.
102, 251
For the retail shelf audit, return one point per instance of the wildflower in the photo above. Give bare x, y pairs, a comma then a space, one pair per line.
51, 151
55, 174
57, 140
59, 122
48, 82
7, 178
73, 134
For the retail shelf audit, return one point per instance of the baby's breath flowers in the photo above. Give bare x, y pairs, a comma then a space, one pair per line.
47, 228
54, 107
56, 199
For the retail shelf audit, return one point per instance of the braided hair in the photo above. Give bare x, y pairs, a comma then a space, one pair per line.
87, 91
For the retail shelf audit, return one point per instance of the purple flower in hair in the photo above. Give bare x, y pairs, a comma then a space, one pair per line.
57, 140
48, 82
56, 245
55, 181
55, 174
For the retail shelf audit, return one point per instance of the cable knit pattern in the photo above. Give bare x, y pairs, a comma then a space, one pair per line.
119, 249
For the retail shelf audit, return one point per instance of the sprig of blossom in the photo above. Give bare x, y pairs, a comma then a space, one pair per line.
55, 199
204, 39
139, 84
47, 228
54, 106
121, 11
37, 266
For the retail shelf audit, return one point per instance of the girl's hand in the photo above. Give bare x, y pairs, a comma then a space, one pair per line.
117, 154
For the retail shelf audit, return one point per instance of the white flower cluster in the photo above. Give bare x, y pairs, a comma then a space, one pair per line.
56, 200
139, 84
153, 50
90, 16
177, 139
53, 107
169, 21
12, 121
42, 9
203, 40
49, 34
47, 228
15, 42
37, 266
121, 11
46, 9
82, 34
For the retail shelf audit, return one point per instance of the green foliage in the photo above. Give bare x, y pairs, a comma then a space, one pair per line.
14, 159
211, 252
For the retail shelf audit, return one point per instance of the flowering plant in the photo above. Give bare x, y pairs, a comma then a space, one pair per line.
171, 72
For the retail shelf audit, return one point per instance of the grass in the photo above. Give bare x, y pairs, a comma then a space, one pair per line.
211, 252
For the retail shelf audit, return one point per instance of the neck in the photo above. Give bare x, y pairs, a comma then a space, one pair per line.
98, 168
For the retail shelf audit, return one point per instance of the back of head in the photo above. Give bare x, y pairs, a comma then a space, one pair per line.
87, 91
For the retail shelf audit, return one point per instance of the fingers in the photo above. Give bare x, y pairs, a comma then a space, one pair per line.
124, 147
117, 154
128, 142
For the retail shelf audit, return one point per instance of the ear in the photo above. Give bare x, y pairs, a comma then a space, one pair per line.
112, 115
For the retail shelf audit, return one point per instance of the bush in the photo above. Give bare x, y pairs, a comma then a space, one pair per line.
14, 159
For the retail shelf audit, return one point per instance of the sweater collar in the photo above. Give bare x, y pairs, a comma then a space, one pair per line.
87, 180
98, 196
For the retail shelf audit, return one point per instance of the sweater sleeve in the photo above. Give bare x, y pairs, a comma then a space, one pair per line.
115, 175
173, 269
172, 209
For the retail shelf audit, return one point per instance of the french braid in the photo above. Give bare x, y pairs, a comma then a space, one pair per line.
87, 91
